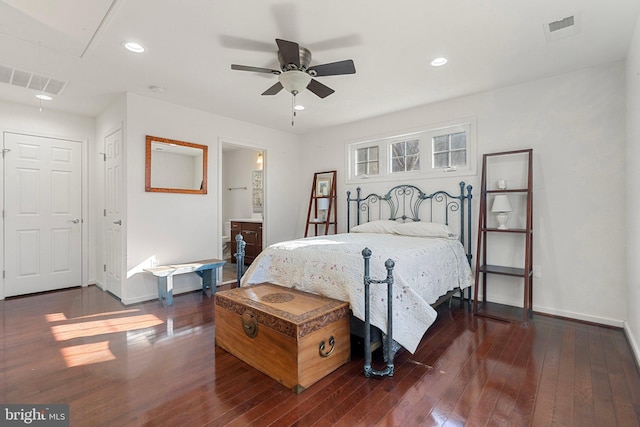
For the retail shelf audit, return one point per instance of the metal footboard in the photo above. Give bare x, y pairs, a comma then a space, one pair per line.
240, 244
388, 338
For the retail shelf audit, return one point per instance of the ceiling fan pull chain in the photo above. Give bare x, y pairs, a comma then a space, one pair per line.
293, 109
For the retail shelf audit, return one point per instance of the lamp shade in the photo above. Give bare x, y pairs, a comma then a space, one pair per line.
294, 81
501, 204
323, 204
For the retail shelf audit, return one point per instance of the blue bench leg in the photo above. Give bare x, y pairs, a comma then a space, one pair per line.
169, 290
209, 280
162, 289
165, 290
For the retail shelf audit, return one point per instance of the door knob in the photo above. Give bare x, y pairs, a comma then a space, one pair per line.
118, 222
75, 220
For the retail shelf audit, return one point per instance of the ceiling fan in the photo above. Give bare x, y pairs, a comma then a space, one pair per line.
295, 74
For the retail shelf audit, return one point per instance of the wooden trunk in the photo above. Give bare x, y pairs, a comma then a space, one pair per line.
294, 337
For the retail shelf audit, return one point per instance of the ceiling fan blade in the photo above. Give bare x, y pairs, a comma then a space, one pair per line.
273, 89
254, 69
335, 68
319, 89
349, 40
290, 52
241, 43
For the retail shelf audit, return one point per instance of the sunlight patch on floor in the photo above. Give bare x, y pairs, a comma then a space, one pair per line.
85, 354
107, 326
60, 317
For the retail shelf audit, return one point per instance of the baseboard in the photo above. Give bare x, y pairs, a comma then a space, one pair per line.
140, 298
618, 323
154, 296
579, 316
635, 349
98, 284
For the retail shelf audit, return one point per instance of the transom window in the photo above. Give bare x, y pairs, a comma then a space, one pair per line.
405, 156
367, 161
450, 150
443, 150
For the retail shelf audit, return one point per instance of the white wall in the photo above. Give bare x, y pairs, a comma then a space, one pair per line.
632, 326
575, 124
28, 119
186, 227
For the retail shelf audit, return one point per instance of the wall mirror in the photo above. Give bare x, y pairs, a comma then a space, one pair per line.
175, 166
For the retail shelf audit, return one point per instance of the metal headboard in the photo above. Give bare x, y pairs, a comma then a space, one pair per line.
405, 203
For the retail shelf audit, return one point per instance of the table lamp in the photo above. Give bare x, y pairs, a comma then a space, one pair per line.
323, 206
501, 206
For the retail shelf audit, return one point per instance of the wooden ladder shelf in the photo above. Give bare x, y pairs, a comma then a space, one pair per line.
498, 191
322, 204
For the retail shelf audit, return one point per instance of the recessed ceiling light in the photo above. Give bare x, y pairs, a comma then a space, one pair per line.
156, 89
299, 107
133, 47
439, 62
44, 97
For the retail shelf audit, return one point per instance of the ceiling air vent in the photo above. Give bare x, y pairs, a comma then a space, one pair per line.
29, 80
562, 28
5, 74
563, 23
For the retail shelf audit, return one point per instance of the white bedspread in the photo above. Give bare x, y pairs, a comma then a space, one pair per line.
425, 269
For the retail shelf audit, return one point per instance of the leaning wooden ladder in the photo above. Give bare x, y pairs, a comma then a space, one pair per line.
481, 306
322, 194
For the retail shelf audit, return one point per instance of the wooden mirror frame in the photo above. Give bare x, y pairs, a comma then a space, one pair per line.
148, 188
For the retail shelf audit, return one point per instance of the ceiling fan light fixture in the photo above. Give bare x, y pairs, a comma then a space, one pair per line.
44, 97
294, 81
298, 107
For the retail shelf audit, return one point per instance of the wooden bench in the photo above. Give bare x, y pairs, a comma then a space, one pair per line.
205, 269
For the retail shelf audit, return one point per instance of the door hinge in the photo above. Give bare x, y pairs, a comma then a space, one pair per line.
105, 213
104, 157
3, 274
105, 268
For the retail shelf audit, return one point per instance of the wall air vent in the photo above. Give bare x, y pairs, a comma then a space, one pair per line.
32, 81
562, 28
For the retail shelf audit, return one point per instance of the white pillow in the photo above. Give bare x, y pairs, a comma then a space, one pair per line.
383, 226
424, 229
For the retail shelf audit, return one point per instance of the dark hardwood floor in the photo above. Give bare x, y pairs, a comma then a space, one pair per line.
146, 364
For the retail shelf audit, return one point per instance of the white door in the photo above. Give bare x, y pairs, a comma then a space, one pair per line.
114, 266
43, 214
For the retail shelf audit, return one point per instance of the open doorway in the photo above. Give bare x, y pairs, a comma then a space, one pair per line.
241, 197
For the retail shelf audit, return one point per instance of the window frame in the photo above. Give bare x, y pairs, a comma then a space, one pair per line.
405, 156
369, 161
425, 134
